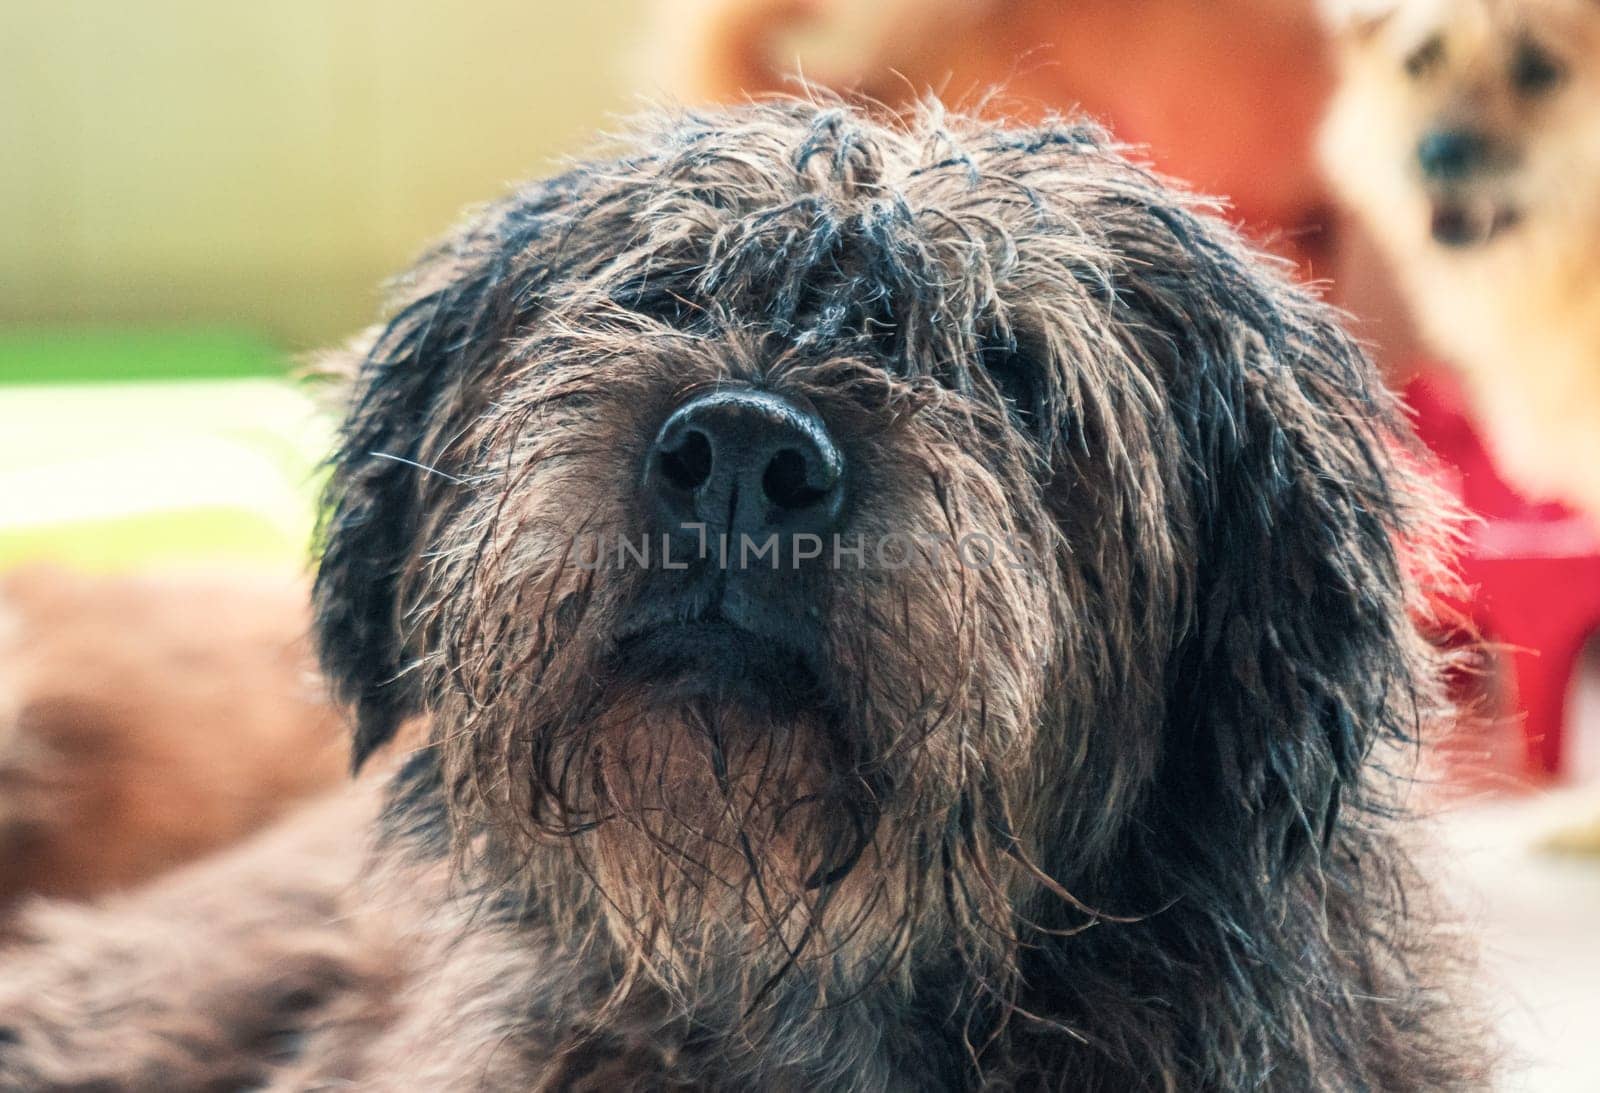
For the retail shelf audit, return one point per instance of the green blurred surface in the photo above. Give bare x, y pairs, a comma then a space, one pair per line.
104, 471
99, 355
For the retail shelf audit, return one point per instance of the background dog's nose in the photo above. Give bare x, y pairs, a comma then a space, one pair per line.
746, 462
1451, 154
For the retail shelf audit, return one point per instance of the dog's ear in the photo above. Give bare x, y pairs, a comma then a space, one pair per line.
1356, 18
412, 381
1300, 652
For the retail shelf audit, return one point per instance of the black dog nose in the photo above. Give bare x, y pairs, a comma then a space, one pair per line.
1448, 155
746, 463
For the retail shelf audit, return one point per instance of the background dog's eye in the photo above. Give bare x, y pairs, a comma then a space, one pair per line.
1426, 57
1533, 70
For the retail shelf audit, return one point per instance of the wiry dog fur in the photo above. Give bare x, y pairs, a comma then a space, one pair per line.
1511, 294
1114, 819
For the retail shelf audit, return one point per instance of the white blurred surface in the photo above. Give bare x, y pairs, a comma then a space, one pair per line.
1538, 915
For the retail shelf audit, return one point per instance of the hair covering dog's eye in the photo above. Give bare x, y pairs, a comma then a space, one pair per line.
1014, 376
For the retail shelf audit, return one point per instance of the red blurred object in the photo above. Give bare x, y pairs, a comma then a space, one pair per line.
1533, 569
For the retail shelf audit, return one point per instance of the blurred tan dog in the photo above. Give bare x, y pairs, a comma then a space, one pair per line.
147, 720
1467, 132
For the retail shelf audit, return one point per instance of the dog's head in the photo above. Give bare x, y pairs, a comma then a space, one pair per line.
870, 539
1465, 118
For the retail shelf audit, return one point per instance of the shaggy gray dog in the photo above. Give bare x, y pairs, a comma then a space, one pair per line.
1040, 745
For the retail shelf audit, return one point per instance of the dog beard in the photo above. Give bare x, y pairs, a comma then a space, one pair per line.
724, 842
714, 798
727, 833
732, 814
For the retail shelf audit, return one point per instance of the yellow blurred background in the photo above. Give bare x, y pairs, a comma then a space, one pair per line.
264, 166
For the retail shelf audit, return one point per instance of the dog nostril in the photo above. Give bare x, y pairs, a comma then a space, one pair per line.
787, 483
688, 465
